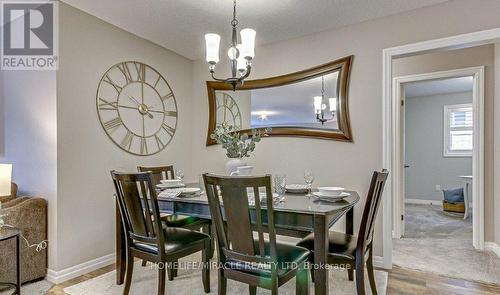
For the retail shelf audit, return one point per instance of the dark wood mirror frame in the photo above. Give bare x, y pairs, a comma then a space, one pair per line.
342, 65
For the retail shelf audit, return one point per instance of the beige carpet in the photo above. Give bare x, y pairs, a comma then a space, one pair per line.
189, 282
35, 288
442, 244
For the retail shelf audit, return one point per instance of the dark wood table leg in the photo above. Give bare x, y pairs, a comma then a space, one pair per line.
18, 266
320, 255
121, 258
349, 222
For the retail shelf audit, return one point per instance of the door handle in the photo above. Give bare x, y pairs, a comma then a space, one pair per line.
407, 166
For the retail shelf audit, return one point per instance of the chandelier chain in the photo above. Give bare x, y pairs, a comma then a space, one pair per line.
234, 22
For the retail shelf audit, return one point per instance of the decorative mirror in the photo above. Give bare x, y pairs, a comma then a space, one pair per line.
309, 103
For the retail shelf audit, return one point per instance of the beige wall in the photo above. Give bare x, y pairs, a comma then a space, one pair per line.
456, 59
28, 138
88, 47
346, 164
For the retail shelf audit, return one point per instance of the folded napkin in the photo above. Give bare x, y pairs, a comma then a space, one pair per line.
169, 194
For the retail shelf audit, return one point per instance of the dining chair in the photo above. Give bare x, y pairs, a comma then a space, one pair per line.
240, 224
349, 250
177, 220
146, 237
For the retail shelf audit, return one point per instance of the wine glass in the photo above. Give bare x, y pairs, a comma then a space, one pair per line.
179, 174
280, 184
309, 179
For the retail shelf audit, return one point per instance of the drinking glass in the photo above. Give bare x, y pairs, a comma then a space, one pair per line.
179, 174
280, 184
309, 179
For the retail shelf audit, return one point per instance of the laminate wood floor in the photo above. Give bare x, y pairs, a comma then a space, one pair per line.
401, 282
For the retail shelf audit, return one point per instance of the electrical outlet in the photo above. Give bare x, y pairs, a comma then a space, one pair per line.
438, 188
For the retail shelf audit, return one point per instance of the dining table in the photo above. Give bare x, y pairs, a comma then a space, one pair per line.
295, 215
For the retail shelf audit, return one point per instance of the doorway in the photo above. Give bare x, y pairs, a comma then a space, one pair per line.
477, 192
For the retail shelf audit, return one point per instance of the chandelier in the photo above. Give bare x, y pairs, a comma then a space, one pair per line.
240, 54
321, 104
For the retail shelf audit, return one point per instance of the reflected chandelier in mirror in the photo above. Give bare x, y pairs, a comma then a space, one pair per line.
309, 103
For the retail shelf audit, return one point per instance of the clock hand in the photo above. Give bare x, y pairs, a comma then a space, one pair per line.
134, 100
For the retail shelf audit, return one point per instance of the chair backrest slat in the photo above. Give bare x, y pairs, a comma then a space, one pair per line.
138, 206
233, 203
372, 205
159, 172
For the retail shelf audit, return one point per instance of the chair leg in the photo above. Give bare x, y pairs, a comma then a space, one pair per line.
128, 275
172, 270
161, 280
252, 290
206, 269
222, 283
302, 281
360, 277
371, 274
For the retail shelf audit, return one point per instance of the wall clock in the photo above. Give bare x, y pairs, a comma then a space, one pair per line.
137, 108
228, 110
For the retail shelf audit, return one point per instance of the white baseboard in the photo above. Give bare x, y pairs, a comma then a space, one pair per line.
60, 276
493, 247
428, 202
378, 261
424, 202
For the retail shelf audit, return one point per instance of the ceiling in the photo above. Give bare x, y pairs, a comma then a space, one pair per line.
180, 25
435, 87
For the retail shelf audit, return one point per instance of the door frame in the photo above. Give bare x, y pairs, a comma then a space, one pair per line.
453, 42
477, 152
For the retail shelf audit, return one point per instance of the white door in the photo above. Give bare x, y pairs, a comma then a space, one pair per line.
402, 189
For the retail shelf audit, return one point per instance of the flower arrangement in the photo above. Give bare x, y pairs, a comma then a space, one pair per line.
236, 144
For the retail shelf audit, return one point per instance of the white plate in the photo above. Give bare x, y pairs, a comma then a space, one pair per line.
168, 185
296, 188
328, 198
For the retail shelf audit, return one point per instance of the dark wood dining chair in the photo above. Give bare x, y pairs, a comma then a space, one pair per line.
147, 238
349, 250
177, 220
243, 256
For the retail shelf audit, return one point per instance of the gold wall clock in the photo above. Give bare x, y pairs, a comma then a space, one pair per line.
137, 108
228, 110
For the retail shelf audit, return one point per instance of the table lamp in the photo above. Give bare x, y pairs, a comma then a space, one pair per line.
5, 179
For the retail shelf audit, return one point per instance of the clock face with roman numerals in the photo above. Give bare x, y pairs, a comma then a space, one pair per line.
227, 110
137, 108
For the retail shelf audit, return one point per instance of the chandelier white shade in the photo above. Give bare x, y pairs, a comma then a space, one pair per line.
5, 179
321, 104
247, 43
239, 54
212, 45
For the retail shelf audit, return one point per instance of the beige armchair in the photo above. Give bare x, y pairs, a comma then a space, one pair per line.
30, 216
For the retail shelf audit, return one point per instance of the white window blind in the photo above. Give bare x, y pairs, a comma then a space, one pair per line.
458, 128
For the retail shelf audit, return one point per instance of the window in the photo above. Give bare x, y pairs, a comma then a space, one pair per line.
458, 128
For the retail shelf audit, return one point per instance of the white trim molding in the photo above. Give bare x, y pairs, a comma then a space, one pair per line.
388, 133
69, 273
493, 247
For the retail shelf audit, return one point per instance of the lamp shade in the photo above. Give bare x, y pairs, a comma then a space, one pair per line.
248, 43
5, 179
332, 101
212, 47
241, 62
318, 102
